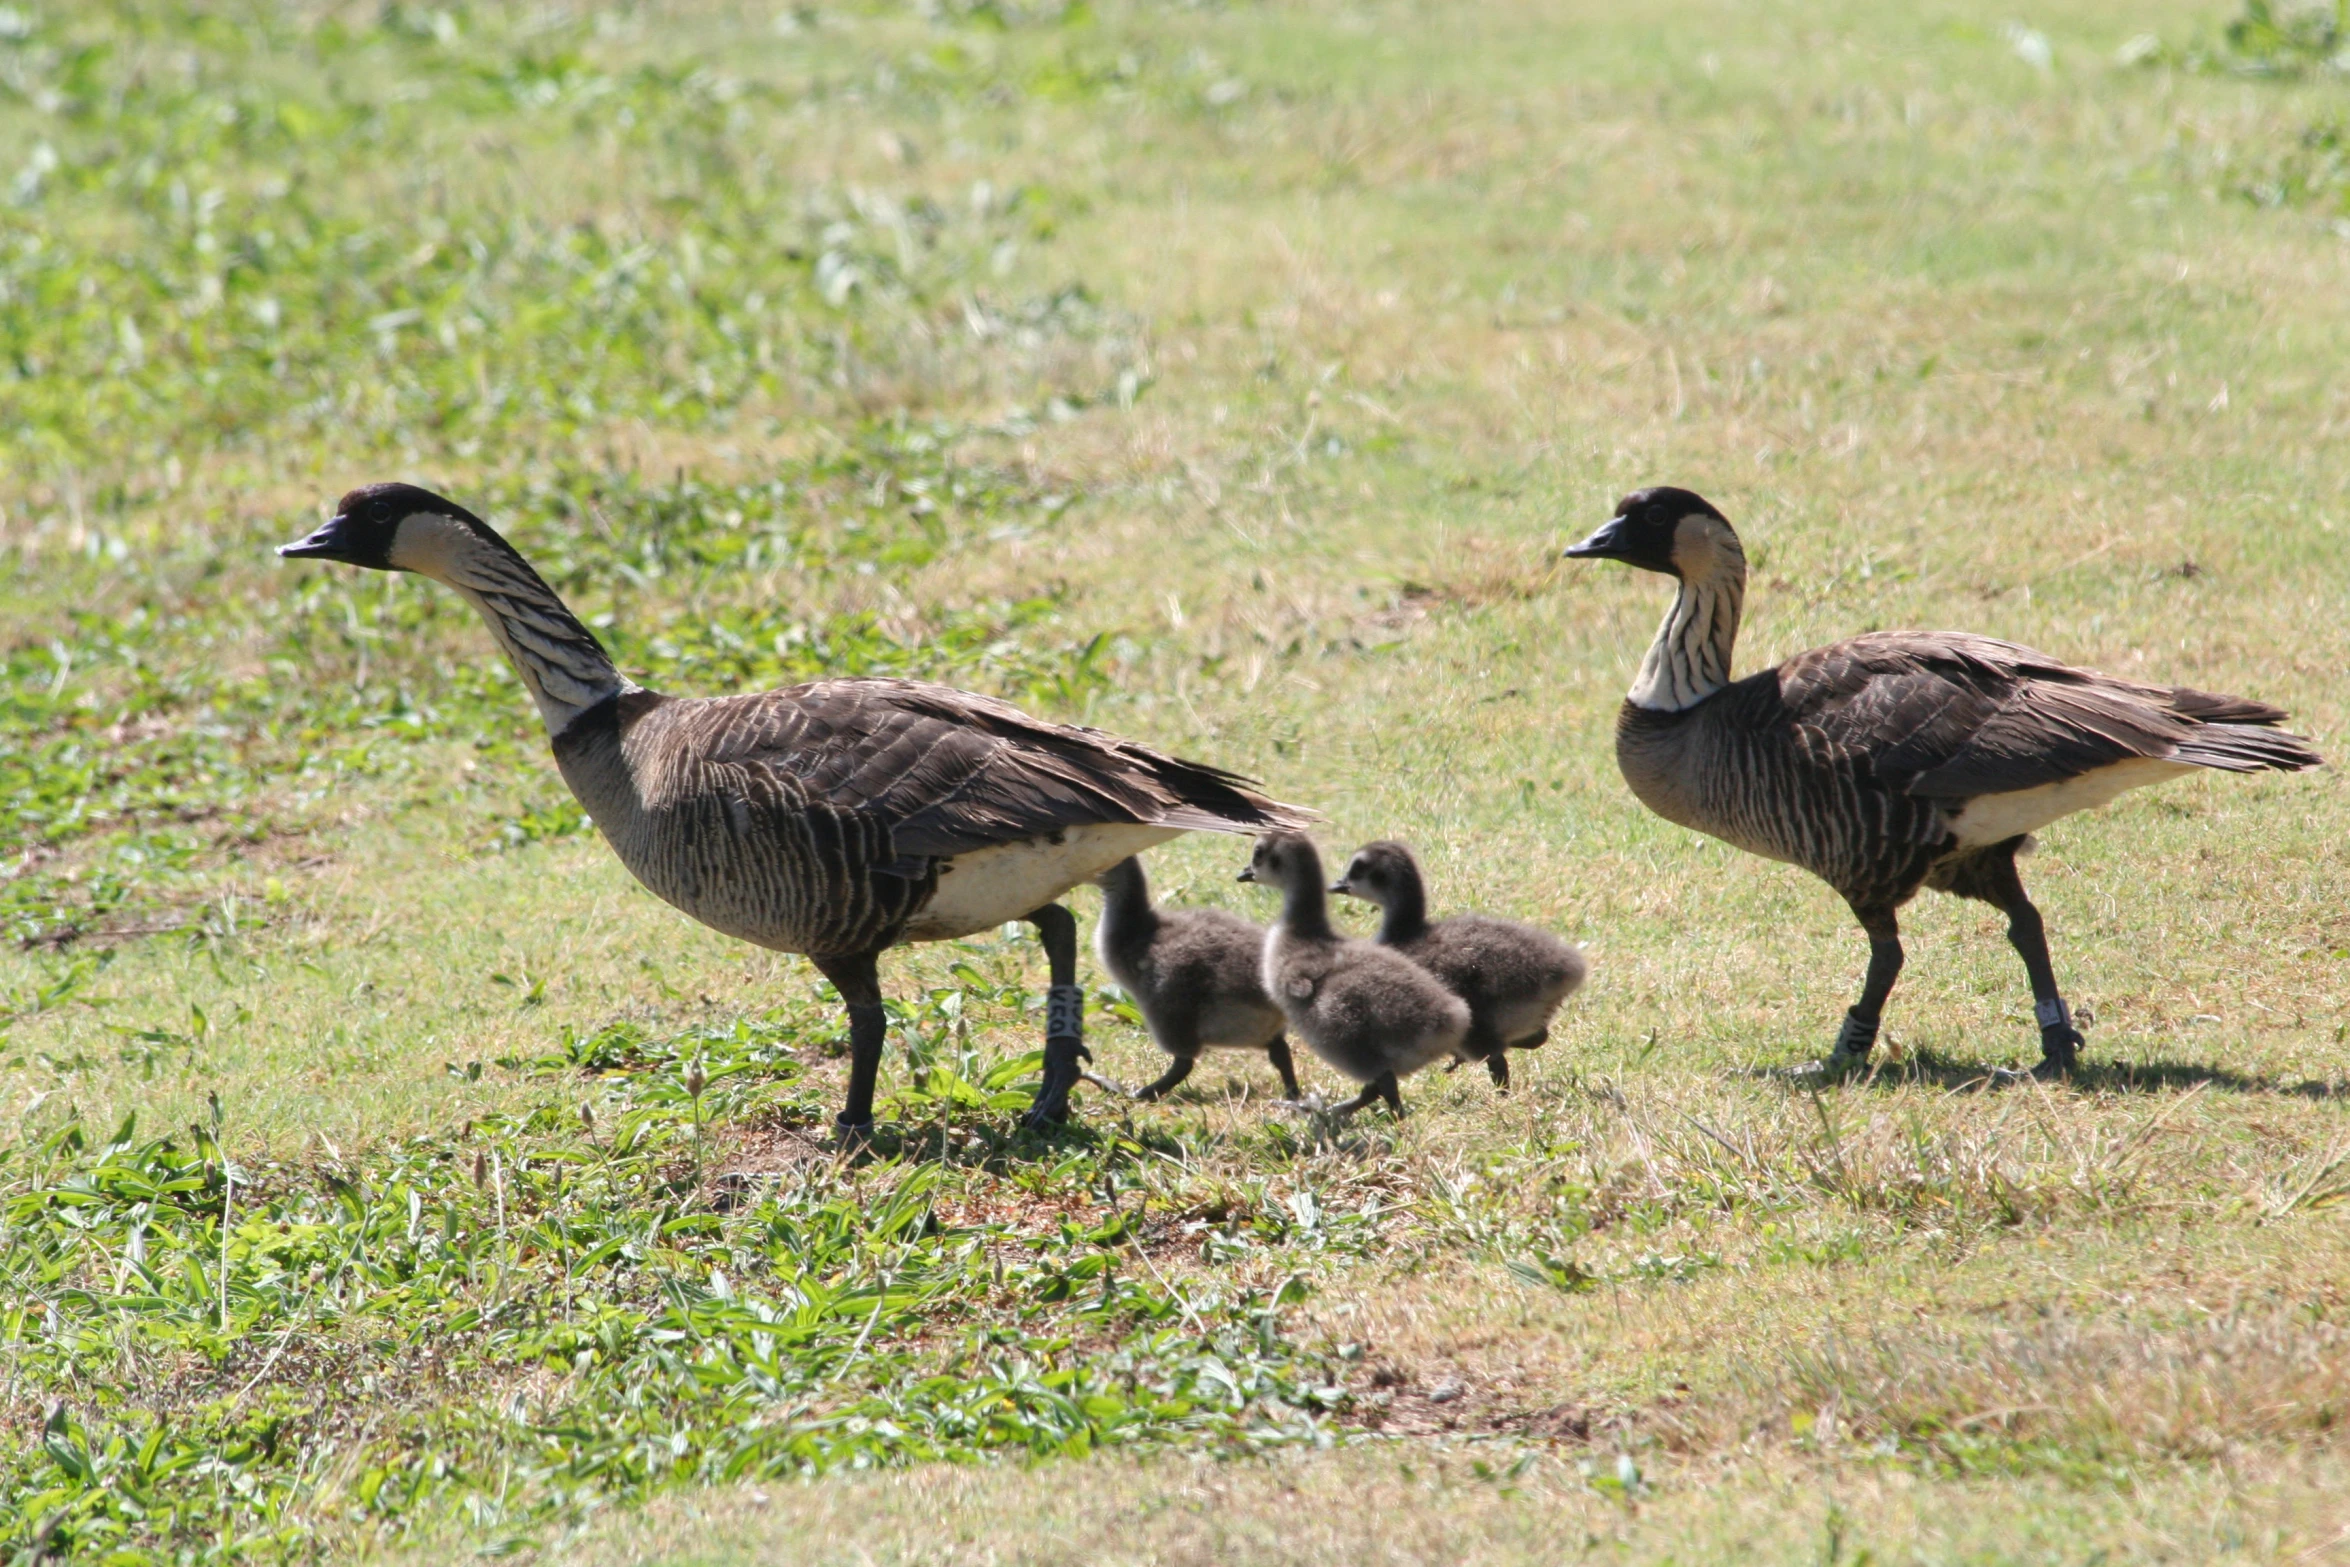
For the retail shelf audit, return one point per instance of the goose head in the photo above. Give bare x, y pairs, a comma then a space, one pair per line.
1286, 860
399, 527
402, 527
1377, 872
1677, 532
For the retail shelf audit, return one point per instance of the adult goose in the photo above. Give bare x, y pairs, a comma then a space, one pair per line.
1896, 760
835, 819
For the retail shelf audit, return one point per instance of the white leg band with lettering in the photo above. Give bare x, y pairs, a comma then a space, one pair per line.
1064, 1012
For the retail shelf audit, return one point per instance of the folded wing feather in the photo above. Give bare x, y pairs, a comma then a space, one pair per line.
1949, 716
951, 772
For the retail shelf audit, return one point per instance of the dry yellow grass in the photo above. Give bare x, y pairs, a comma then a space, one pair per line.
1423, 1505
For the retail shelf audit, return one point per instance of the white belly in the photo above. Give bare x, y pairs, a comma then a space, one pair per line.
1995, 818
1232, 1025
989, 886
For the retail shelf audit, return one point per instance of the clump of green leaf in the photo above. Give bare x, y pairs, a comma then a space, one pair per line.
2314, 173
546, 1313
2266, 39
2288, 40
2278, 42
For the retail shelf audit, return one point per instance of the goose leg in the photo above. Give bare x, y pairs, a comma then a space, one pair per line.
1859, 1031
1064, 1019
2060, 1042
1485, 1043
858, 980
1278, 1053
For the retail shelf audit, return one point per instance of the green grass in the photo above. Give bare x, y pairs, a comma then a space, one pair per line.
386, 1175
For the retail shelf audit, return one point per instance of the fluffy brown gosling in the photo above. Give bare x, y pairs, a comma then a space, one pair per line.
1196, 974
1367, 1010
1514, 977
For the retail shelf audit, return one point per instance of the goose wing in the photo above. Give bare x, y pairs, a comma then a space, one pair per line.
1949, 716
949, 771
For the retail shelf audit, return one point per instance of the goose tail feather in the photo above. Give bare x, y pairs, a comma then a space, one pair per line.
1203, 798
2211, 707
2246, 748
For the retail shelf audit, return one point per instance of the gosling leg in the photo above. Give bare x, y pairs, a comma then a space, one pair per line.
1381, 1087
1278, 1053
1177, 1070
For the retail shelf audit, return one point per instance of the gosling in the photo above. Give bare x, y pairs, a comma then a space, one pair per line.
1514, 977
1370, 1012
1196, 974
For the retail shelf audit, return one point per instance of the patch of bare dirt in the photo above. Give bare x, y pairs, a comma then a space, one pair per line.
1401, 1400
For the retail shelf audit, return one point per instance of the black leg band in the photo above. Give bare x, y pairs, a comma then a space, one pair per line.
1064, 1055
1064, 1012
1855, 1038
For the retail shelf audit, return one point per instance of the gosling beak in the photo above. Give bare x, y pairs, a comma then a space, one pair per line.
328, 543
1601, 545
1343, 885
1247, 873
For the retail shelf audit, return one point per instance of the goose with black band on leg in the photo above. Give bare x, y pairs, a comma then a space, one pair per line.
1895, 760
835, 819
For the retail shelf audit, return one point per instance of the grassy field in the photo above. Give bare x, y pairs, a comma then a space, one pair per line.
1229, 376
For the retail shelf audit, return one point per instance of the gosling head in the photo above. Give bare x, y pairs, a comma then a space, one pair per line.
1677, 532
1378, 872
1284, 859
400, 527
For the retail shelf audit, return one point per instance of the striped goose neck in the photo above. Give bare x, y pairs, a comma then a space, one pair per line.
1690, 658
560, 660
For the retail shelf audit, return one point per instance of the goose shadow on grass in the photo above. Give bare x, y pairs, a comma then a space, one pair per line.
1933, 1068
1196, 1092
749, 1156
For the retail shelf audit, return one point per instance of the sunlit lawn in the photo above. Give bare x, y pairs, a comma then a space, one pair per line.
1227, 376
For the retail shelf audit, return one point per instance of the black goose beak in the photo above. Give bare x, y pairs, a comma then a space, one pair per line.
328, 543
1342, 885
1601, 545
1247, 873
